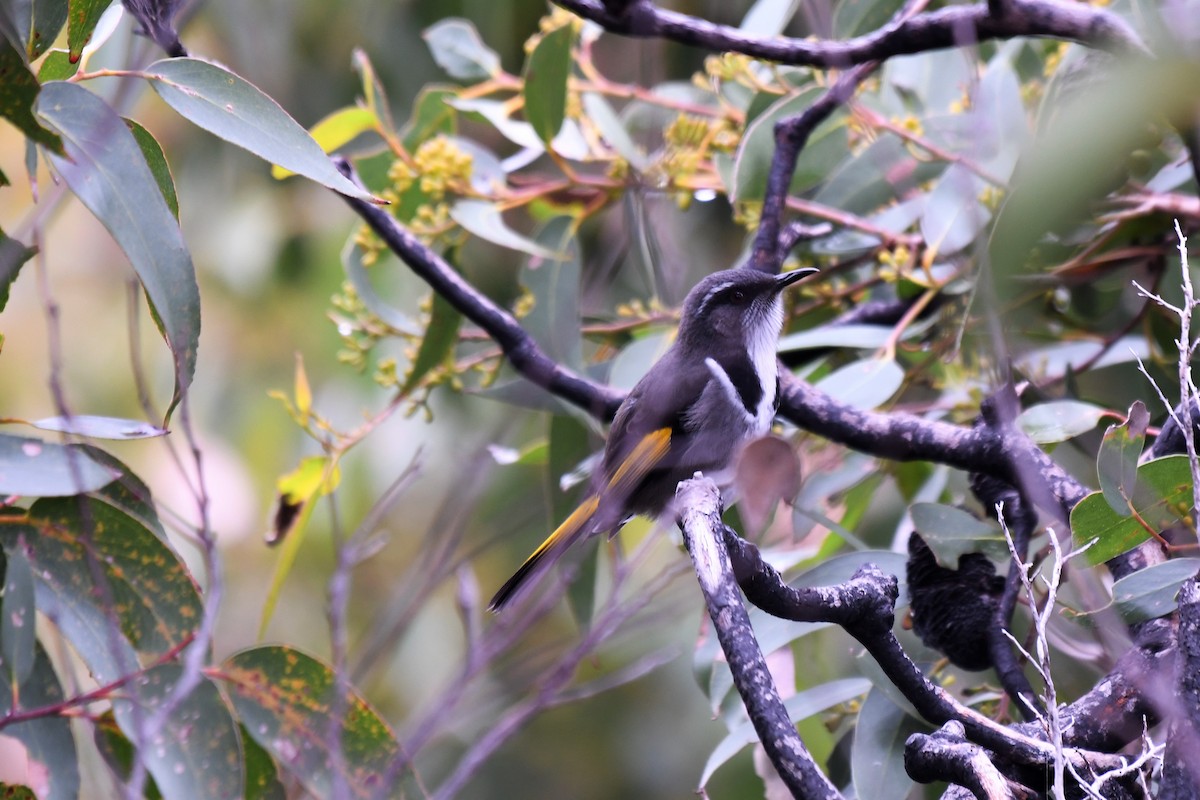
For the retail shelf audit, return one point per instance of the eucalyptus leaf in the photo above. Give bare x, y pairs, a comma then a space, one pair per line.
1117, 462
877, 759
1162, 498
865, 384
545, 88
96, 427
1059, 420
483, 219
34, 468
457, 48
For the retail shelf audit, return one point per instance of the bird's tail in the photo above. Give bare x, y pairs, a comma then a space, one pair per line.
648, 453
572, 528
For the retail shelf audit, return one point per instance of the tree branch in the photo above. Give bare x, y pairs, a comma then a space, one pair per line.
934, 30
699, 504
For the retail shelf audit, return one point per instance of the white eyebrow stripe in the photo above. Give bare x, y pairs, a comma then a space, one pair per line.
731, 391
712, 293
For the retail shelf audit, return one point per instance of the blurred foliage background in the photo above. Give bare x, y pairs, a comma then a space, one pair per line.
268, 259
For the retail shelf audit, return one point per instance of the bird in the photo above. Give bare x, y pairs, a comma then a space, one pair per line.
715, 389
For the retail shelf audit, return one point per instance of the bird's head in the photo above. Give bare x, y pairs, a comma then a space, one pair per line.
739, 305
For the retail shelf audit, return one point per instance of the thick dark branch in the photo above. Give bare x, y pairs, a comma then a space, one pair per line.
1000, 452
1181, 772
945, 27
699, 503
520, 348
791, 135
946, 756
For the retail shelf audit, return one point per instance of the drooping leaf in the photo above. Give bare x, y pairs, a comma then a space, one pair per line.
1162, 497
13, 256
48, 743
33, 468
483, 219
546, 75
373, 94
18, 92
196, 751
877, 759
554, 320
95, 427
954, 215
799, 706
105, 168
47, 19
232, 108
457, 48
1059, 420
128, 494
613, 130
289, 703
156, 159
313, 478
335, 130
262, 775
146, 605
1116, 464
865, 384
17, 623
569, 143
81, 22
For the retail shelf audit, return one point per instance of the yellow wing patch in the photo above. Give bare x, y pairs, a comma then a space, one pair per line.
648, 453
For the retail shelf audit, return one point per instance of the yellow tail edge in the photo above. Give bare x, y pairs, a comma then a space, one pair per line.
563, 536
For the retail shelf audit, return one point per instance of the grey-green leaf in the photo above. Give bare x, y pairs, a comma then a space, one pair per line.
483, 219
34, 468
48, 741
195, 752
865, 384
232, 108
105, 168
17, 634
100, 427
877, 760
457, 48
1059, 420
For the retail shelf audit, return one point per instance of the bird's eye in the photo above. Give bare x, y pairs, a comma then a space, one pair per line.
738, 296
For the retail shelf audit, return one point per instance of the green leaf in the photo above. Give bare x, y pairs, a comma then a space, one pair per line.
156, 159
81, 23
33, 468
18, 92
48, 17
1162, 497
951, 532
483, 219
799, 706
57, 66
48, 742
288, 702
437, 345
953, 214
117, 751
147, 604
554, 320
262, 775
13, 256
457, 48
636, 358
17, 625
336, 130
196, 752
1151, 592
105, 168
865, 384
230, 107
100, 427
546, 75
1059, 420
824, 149
569, 143
877, 758
1116, 464
128, 493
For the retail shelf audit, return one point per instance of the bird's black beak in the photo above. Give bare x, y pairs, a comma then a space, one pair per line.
786, 279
